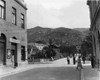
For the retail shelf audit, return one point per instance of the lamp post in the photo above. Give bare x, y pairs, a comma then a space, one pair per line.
78, 49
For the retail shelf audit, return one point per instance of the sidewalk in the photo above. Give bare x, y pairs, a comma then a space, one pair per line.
89, 73
9, 70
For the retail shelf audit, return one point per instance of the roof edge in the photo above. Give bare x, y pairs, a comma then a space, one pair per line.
20, 3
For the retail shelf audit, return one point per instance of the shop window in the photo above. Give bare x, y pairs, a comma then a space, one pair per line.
23, 54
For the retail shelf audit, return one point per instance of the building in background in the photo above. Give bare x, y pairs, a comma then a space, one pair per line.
94, 7
13, 33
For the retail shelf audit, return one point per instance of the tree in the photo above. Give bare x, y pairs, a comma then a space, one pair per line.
67, 50
49, 50
86, 46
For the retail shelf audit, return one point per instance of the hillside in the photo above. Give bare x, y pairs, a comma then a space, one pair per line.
60, 36
81, 29
85, 31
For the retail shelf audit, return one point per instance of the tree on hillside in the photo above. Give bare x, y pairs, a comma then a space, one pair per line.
49, 51
67, 50
86, 46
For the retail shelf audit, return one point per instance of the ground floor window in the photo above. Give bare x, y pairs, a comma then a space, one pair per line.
23, 54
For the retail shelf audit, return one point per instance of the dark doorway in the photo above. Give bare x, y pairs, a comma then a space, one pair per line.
2, 49
23, 54
14, 53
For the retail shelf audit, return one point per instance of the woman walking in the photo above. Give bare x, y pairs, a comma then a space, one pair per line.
79, 64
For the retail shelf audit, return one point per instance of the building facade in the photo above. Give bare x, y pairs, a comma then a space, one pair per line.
13, 33
94, 7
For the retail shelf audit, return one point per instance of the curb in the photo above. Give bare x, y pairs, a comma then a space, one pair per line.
82, 75
14, 72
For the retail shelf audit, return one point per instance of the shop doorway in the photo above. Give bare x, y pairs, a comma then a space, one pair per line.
23, 54
14, 54
2, 49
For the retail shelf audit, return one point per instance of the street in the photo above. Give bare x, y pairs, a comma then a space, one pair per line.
53, 73
91, 74
56, 70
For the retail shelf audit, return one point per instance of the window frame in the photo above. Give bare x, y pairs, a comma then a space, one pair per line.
22, 21
23, 53
14, 15
3, 8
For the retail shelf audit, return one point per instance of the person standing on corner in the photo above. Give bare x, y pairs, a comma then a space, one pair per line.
68, 61
74, 60
83, 58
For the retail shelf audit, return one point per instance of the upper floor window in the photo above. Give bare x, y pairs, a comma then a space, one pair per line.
13, 15
22, 21
2, 9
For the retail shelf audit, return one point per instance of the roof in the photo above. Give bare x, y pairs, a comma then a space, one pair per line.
22, 3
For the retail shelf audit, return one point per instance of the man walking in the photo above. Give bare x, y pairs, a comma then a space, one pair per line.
83, 58
92, 61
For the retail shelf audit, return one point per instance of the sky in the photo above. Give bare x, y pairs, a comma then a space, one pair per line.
57, 13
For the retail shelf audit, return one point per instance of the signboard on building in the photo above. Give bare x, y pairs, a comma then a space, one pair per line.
14, 40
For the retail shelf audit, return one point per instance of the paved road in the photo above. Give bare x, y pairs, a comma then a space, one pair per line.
50, 73
91, 74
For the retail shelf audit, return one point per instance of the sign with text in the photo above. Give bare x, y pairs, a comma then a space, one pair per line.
14, 40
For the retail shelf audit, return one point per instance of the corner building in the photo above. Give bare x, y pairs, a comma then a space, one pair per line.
13, 33
94, 7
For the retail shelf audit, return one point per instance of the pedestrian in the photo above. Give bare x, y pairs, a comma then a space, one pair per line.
92, 61
74, 60
83, 58
68, 61
79, 64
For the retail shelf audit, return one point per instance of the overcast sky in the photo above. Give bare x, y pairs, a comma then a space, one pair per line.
58, 13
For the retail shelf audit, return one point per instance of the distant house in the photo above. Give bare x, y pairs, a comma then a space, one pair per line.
40, 46
35, 47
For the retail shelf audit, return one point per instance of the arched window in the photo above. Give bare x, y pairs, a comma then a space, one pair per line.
14, 37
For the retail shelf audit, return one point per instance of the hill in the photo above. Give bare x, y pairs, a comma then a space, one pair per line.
60, 36
81, 29
85, 31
